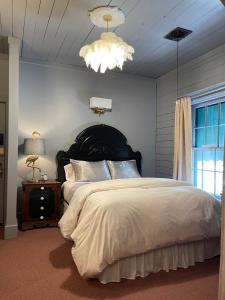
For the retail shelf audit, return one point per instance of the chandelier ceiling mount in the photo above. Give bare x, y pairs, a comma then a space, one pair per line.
111, 14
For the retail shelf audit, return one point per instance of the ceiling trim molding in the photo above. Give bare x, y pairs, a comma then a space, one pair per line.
81, 68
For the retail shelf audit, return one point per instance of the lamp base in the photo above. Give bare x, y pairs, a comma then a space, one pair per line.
33, 172
33, 180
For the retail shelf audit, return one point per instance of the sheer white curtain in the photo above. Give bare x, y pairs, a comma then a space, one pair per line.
221, 295
182, 140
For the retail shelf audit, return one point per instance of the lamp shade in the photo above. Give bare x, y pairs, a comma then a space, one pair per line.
34, 146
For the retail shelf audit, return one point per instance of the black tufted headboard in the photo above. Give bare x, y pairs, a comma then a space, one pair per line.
95, 143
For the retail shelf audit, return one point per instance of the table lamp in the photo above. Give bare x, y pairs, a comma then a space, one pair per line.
34, 147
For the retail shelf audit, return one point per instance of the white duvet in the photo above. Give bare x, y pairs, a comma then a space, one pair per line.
110, 220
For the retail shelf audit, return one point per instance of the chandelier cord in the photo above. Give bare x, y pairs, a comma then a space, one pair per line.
177, 67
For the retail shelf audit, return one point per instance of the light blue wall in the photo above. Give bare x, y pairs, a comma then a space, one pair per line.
55, 101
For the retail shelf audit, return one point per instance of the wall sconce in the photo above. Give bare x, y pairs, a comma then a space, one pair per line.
100, 105
34, 147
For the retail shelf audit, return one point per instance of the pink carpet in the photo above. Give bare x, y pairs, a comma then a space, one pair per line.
38, 265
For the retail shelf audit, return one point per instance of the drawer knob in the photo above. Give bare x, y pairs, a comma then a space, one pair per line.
41, 217
42, 187
42, 208
42, 198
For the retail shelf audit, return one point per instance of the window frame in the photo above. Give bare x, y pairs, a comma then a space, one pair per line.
206, 101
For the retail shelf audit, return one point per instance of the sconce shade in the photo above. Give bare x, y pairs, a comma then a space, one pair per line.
34, 146
101, 103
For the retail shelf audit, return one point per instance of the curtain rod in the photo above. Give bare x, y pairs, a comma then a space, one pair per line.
220, 87
211, 95
204, 95
208, 93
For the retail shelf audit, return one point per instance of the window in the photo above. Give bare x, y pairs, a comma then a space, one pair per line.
208, 145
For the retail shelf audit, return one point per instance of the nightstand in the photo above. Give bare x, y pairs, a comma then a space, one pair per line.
41, 205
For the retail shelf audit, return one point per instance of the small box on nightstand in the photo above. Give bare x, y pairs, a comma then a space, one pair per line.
41, 204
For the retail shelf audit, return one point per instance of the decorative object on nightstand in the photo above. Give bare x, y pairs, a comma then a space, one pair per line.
44, 177
41, 206
34, 147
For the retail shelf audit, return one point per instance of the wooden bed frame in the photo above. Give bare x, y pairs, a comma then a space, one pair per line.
95, 143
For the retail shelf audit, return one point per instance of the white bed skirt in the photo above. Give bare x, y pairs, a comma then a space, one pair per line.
170, 258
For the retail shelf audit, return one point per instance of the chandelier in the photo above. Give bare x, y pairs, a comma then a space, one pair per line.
110, 51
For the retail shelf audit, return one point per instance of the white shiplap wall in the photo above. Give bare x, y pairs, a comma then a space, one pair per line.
202, 72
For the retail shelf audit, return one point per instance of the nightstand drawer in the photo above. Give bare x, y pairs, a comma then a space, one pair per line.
41, 203
38, 195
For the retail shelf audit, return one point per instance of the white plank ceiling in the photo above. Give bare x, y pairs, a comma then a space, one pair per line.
55, 30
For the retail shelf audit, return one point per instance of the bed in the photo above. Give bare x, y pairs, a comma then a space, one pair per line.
125, 228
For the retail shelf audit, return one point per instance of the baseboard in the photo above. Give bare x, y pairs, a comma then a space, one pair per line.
10, 231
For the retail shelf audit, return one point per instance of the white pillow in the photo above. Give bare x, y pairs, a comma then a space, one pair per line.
90, 170
123, 169
69, 173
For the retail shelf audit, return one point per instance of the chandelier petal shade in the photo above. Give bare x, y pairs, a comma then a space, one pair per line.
110, 51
